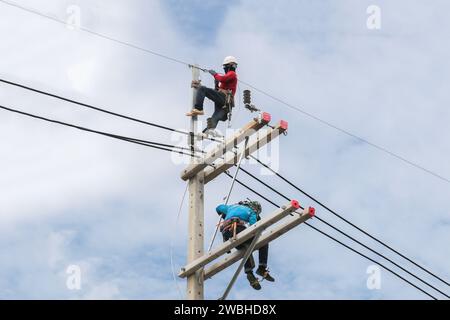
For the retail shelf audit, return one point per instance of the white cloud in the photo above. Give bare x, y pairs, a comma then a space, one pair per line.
105, 291
71, 197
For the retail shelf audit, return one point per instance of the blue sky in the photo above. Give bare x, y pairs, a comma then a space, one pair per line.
198, 20
110, 207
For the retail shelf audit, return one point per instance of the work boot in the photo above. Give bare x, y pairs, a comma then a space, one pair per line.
210, 124
263, 272
213, 133
195, 112
253, 281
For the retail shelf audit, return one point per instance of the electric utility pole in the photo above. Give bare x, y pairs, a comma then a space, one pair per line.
211, 165
196, 210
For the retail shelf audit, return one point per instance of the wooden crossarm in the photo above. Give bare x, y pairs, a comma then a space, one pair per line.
249, 129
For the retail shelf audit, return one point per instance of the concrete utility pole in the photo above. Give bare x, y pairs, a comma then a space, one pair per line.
196, 212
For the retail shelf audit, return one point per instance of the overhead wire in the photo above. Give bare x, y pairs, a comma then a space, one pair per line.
155, 145
172, 240
92, 32
179, 61
340, 217
349, 222
348, 133
151, 144
348, 236
340, 242
245, 83
372, 260
89, 106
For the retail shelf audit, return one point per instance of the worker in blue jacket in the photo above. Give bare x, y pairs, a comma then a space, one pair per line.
237, 216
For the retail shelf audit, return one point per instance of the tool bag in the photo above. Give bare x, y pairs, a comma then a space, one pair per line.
228, 224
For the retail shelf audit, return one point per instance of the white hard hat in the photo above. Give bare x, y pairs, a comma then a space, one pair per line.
230, 59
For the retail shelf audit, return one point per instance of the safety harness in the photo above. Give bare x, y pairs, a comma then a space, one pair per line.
229, 105
231, 225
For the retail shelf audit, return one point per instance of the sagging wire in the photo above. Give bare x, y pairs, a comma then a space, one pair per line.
172, 239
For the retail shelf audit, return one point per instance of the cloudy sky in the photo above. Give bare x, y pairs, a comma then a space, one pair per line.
110, 207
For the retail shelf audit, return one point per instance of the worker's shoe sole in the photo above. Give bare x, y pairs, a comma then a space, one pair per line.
265, 274
253, 281
213, 133
195, 112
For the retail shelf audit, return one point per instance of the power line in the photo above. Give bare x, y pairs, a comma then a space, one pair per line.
340, 242
372, 260
155, 145
383, 256
348, 236
175, 60
190, 65
97, 34
349, 222
172, 236
329, 124
144, 142
89, 106
46, 93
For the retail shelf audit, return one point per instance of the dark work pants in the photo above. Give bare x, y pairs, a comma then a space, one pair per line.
220, 113
250, 263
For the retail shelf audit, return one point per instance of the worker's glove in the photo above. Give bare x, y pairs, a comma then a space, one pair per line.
212, 72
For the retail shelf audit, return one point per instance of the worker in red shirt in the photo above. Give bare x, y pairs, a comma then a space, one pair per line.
222, 95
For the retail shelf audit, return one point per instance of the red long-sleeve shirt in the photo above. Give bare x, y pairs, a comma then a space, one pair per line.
228, 81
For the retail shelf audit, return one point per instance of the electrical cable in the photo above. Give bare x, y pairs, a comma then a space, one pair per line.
348, 222
155, 145
336, 240
97, 34
172, 241
155, 53
350, 237
352, 135
49, 94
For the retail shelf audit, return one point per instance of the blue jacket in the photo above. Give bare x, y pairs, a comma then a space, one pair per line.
237, 211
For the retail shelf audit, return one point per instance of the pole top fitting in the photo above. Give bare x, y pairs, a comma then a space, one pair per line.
266, 117
283, 125
196, 66
295, 204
